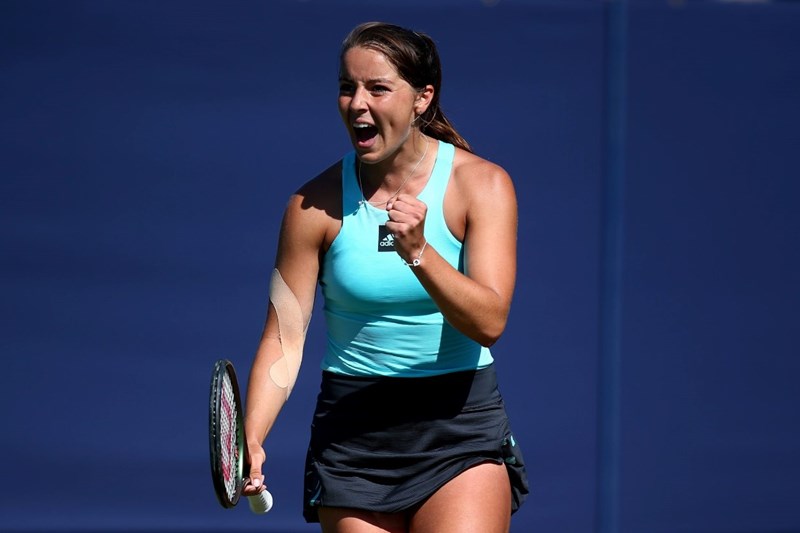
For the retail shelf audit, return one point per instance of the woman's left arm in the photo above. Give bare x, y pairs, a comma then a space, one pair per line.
476, 302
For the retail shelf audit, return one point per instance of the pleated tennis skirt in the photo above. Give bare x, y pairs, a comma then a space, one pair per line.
387, 444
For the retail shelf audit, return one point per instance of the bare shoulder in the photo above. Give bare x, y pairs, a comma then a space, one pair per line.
322, 193
478, 179
315, 209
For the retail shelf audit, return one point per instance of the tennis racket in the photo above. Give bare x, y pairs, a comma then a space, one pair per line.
230, 462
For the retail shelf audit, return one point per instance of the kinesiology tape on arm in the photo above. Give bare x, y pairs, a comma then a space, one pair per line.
292, 325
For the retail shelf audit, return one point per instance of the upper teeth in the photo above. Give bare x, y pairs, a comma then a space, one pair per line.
361, 125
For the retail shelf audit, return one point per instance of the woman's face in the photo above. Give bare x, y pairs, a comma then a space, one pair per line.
376, 104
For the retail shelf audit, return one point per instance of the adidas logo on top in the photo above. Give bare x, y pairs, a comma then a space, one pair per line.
385, 240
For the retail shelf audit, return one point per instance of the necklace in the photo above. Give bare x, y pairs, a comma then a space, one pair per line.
393, 196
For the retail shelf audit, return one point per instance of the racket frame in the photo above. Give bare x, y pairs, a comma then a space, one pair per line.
221, 368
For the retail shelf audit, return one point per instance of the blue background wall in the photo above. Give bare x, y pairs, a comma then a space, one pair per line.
650, 365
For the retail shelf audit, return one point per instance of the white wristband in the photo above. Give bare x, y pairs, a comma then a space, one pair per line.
416, 262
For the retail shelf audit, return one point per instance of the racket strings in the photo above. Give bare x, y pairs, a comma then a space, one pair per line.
229, 453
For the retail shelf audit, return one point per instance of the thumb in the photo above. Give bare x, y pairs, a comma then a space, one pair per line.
256, 477
256, 461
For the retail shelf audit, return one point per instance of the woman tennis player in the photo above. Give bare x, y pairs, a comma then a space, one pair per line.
412, 238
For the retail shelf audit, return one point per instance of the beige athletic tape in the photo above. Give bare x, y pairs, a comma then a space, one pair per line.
292, 329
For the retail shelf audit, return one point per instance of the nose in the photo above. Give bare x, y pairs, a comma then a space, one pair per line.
359, 100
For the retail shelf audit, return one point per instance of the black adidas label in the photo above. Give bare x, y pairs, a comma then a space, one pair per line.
385, 239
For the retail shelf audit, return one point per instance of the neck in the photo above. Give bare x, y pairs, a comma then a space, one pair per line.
396, 178
396, 167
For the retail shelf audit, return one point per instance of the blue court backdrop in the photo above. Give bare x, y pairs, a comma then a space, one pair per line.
651, 362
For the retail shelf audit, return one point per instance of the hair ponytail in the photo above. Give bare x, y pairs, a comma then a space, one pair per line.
438, 127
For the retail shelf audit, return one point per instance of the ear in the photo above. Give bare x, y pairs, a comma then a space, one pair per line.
423, 100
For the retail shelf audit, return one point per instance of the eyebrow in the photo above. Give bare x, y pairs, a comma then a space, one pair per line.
372, 80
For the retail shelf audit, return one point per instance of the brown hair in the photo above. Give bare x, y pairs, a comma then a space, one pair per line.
416, 59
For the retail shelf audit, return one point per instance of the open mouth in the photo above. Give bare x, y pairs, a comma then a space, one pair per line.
364, 132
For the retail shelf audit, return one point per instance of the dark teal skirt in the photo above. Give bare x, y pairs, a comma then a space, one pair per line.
387, 444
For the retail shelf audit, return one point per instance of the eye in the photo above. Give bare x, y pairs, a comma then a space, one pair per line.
345, 88
379, 89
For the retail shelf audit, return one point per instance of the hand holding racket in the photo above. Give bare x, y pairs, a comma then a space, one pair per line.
229, 456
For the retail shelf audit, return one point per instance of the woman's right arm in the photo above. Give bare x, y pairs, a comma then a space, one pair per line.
302, 235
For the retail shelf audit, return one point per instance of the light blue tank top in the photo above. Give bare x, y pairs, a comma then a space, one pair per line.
380, 319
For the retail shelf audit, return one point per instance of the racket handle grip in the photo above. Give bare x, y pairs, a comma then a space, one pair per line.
260, 503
